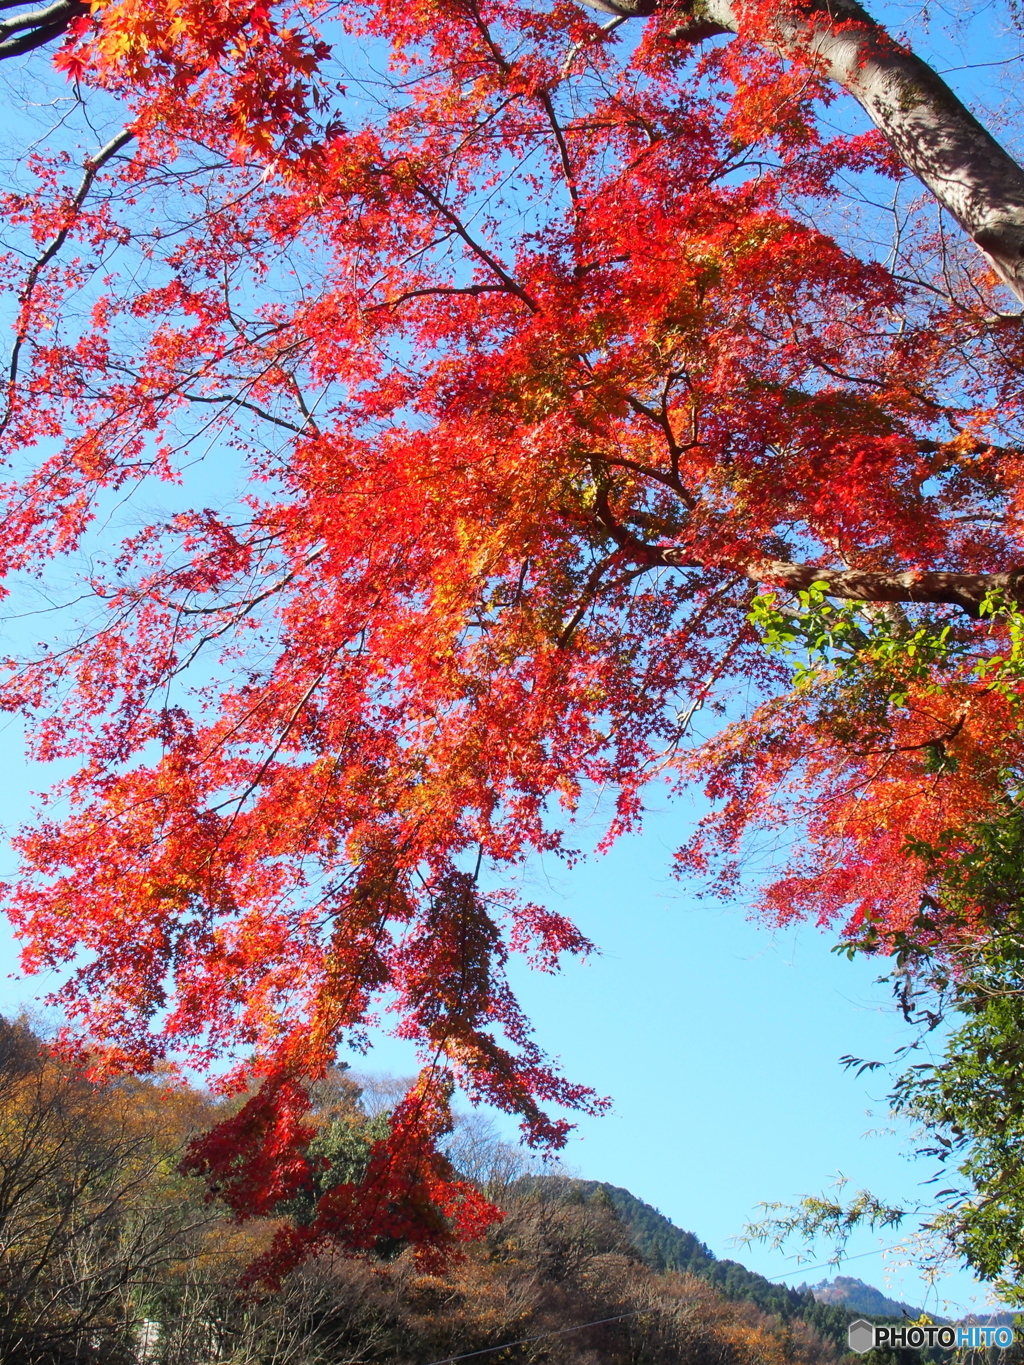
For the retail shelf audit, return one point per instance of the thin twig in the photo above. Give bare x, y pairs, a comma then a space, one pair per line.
93, 166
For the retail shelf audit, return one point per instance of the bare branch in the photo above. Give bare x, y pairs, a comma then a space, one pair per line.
92, 168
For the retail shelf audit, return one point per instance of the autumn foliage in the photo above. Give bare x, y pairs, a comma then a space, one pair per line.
532, 360
111, 1255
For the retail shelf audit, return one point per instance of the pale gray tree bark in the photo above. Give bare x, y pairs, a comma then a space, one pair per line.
931, 130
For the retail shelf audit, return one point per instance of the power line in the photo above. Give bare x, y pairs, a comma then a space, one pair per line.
524, 1341
826, 1265
598, 1322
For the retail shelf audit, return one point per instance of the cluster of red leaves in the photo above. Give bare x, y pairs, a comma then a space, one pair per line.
523, 317
253, 68
861, 798
409, 1195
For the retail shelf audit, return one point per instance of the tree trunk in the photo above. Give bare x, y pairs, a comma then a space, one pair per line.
932, 132
964, 590
34, 28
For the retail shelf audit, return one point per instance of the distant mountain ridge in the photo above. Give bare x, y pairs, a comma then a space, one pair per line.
665, 1247
854, 1294
847, 1292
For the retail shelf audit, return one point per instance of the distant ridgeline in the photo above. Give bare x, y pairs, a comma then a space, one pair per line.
666, 1247
848, 1292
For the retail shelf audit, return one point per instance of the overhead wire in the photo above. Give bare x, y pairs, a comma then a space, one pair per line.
524, 1341
620, 1317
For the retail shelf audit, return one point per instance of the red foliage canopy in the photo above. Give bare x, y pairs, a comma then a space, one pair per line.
536, 357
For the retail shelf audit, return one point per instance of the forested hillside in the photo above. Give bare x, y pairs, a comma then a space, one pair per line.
664, 1247
112, 1253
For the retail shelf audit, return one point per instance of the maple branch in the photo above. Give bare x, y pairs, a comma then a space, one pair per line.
37, 27
951, 733
92, 167
662, 421
438, 291
478, 250
219, 398
247, 604
309, 421
964, 590
669, 480
486, 35
297, 711
563, 149
585, 602
934, 134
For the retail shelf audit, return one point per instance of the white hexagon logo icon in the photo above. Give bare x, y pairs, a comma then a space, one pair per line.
861, 1335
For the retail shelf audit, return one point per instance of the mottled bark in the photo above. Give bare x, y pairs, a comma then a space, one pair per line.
964, 590
32, 28
933, 133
